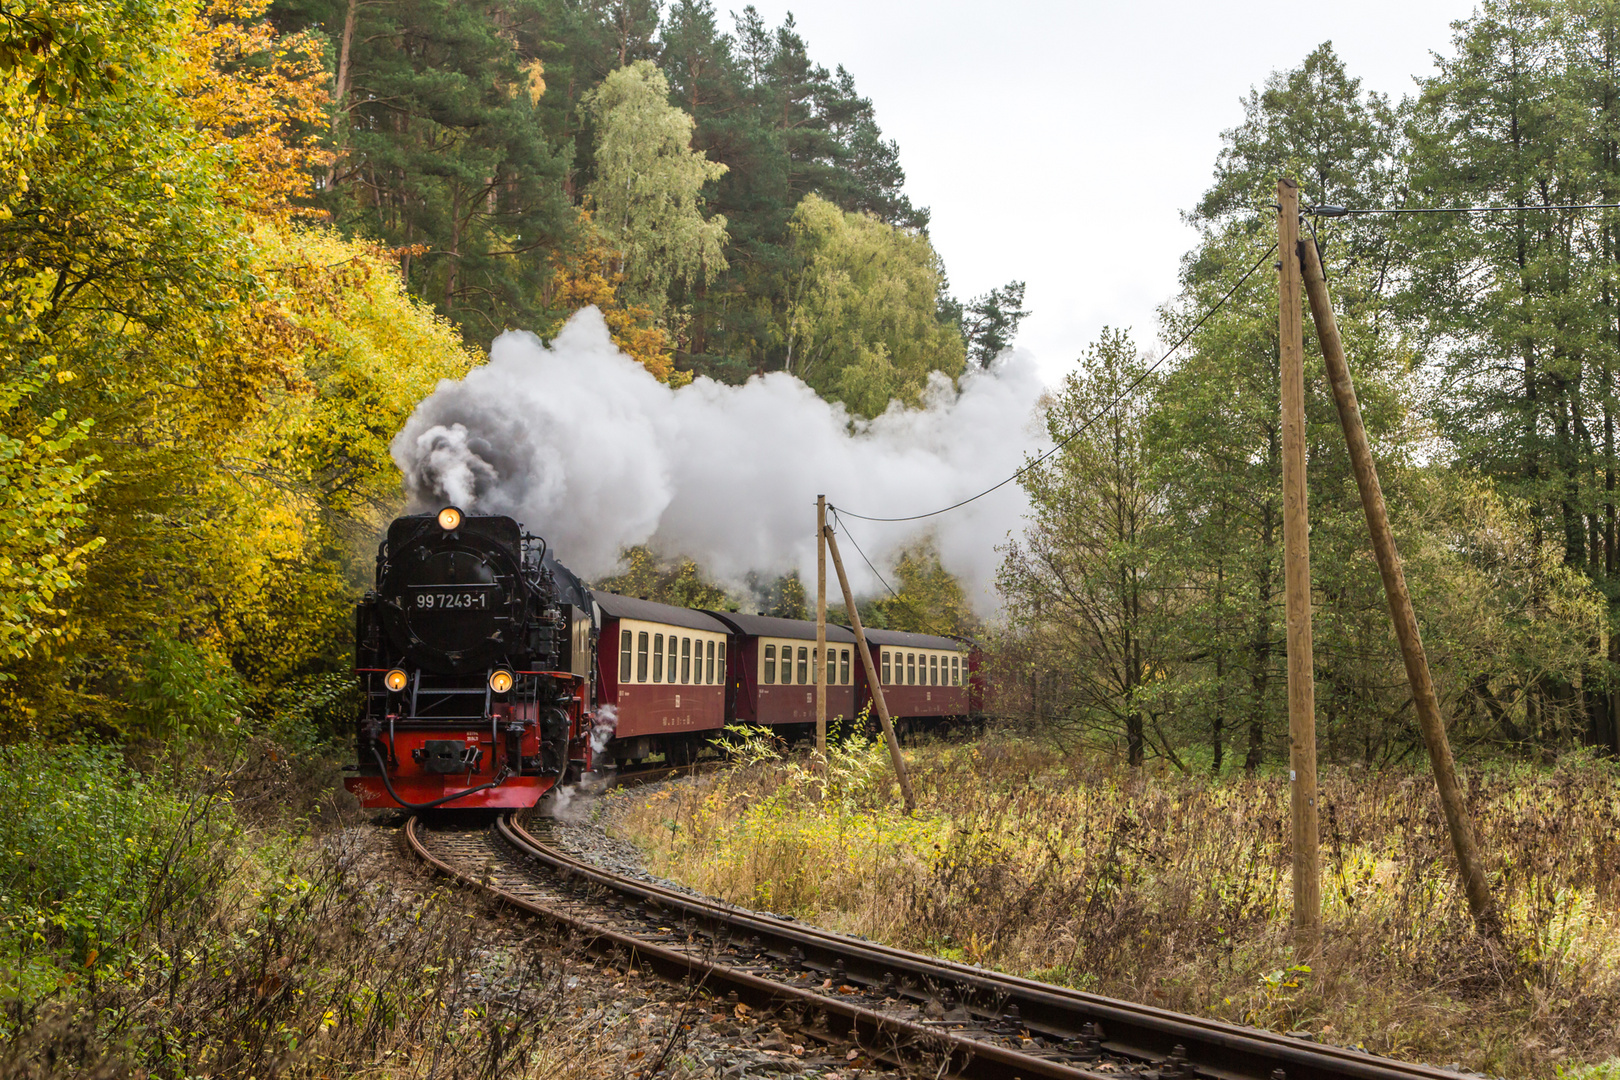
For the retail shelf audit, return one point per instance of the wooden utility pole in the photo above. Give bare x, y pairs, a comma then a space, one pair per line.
821, 628
871, 675
1297, 581
1470, 862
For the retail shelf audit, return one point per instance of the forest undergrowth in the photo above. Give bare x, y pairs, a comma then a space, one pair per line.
1174, 890
249, 930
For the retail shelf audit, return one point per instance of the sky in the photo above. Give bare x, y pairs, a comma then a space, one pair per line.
1058, 143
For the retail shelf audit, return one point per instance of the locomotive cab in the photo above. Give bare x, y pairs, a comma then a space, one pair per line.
467, 655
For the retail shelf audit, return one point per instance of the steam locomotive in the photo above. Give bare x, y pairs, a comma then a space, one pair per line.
474, 659
490, 673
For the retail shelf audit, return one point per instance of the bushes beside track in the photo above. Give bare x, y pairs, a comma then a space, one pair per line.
144, 932
90, 849
1174, 890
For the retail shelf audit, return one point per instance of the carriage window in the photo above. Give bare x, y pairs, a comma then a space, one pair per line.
686, 659
641, 657
933, 670
911, 669
710, 677
956, 671
843, 667
658, 658
624, 656
770, 663
832, 668
886, 655
804, 665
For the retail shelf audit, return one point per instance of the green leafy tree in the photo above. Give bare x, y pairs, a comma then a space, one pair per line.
647, 192
1520, 309
1216, 429
1088, 580
862, 324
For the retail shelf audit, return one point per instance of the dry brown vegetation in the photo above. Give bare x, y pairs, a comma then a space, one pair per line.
1174, 890
263, 947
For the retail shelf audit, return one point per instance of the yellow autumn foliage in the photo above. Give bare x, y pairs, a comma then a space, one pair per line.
209, 387
261, 95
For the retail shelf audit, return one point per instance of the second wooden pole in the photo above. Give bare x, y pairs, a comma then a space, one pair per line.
822, 667
872, 682
1297, 579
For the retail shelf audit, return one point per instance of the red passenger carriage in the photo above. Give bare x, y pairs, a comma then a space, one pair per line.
924, 676
772, 670
663, 670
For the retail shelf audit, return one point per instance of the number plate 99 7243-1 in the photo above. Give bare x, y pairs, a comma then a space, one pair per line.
451, 600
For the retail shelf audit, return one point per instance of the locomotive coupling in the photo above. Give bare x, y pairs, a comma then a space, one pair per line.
448, 756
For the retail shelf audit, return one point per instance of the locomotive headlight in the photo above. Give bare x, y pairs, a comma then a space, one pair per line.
500, 680
396, 680
449, 519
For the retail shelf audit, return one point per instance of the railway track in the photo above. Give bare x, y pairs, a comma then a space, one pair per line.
896, 1005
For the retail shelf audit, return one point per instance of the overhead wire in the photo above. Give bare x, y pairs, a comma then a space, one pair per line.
1077, 432
1314, 211
841, 527
1342, 211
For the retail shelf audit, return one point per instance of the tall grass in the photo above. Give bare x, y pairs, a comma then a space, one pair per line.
1175, 890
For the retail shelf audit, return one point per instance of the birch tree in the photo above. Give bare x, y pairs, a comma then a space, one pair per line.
648, 190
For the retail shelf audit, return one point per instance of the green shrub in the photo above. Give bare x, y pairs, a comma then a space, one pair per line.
185, 692
87, 848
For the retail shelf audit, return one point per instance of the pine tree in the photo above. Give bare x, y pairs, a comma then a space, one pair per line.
442, 148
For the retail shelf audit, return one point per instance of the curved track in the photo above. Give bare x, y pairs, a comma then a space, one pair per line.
898, 1005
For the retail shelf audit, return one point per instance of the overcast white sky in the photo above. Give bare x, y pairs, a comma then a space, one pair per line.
1059, 142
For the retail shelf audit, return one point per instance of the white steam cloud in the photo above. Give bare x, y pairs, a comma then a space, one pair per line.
606, 723
587, 449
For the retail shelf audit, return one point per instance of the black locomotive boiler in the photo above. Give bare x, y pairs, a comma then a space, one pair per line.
474, 653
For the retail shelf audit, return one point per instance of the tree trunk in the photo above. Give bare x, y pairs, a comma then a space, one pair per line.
340, 93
